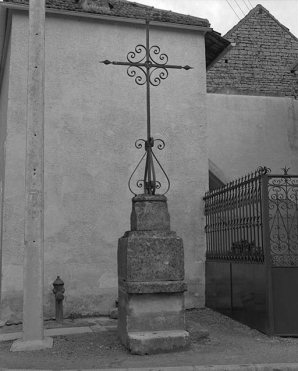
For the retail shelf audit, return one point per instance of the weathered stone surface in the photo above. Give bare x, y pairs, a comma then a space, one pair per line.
145, 257
150, 234
20, 345
150, 312
149, 213
196, 331
157, 341
154, 287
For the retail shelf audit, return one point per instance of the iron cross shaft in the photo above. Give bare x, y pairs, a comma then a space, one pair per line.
149, 67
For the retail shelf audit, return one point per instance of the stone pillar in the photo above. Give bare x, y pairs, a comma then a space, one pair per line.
151, 313
33, 333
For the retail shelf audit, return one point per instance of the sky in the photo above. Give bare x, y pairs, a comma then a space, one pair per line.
221, 13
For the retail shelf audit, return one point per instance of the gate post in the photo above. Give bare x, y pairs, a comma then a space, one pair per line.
266, 249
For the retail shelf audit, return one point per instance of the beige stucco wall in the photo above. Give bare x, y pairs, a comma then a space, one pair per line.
245, 132
93, 115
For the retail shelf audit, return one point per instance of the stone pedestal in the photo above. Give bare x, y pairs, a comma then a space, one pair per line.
151, 313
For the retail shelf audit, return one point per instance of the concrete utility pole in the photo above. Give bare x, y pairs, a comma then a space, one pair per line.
33, 333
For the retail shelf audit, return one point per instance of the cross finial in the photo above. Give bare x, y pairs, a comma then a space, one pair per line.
285, 170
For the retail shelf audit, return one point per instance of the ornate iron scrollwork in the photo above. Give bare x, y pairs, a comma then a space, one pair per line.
149, 182
262, 170
283, 219
148, 66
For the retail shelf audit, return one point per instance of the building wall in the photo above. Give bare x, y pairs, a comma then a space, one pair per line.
245, 132
93, 116
260, 63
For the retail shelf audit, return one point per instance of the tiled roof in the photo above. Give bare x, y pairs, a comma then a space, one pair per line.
214, 43
120, 8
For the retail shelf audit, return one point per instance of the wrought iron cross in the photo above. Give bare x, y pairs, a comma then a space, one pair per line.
147, 65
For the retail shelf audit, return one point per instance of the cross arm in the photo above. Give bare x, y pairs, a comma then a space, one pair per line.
106, 62
147, 65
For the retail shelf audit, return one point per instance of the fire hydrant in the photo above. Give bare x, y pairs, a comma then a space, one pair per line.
58, 291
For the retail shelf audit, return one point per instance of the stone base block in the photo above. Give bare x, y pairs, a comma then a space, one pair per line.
149, 213
150, 313
21, 345
145, 256
157, 342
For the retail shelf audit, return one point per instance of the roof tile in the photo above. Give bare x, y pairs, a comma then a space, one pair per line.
214, 43
121, 8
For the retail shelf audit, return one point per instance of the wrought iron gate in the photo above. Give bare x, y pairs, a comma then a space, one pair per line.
254, 221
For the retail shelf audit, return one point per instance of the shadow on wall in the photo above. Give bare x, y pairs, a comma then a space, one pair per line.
216, 176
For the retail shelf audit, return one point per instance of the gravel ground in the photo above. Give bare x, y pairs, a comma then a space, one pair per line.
229, 342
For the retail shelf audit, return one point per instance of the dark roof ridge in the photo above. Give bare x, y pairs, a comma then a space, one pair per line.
135, 3
121, 8
163, 10
253, 11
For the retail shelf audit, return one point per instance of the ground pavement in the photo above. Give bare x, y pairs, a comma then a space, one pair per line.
218, 344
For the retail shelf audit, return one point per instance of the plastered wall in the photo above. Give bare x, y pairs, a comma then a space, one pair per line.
245, 132
93, 115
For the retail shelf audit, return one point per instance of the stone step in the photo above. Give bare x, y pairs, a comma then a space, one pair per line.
157, 341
